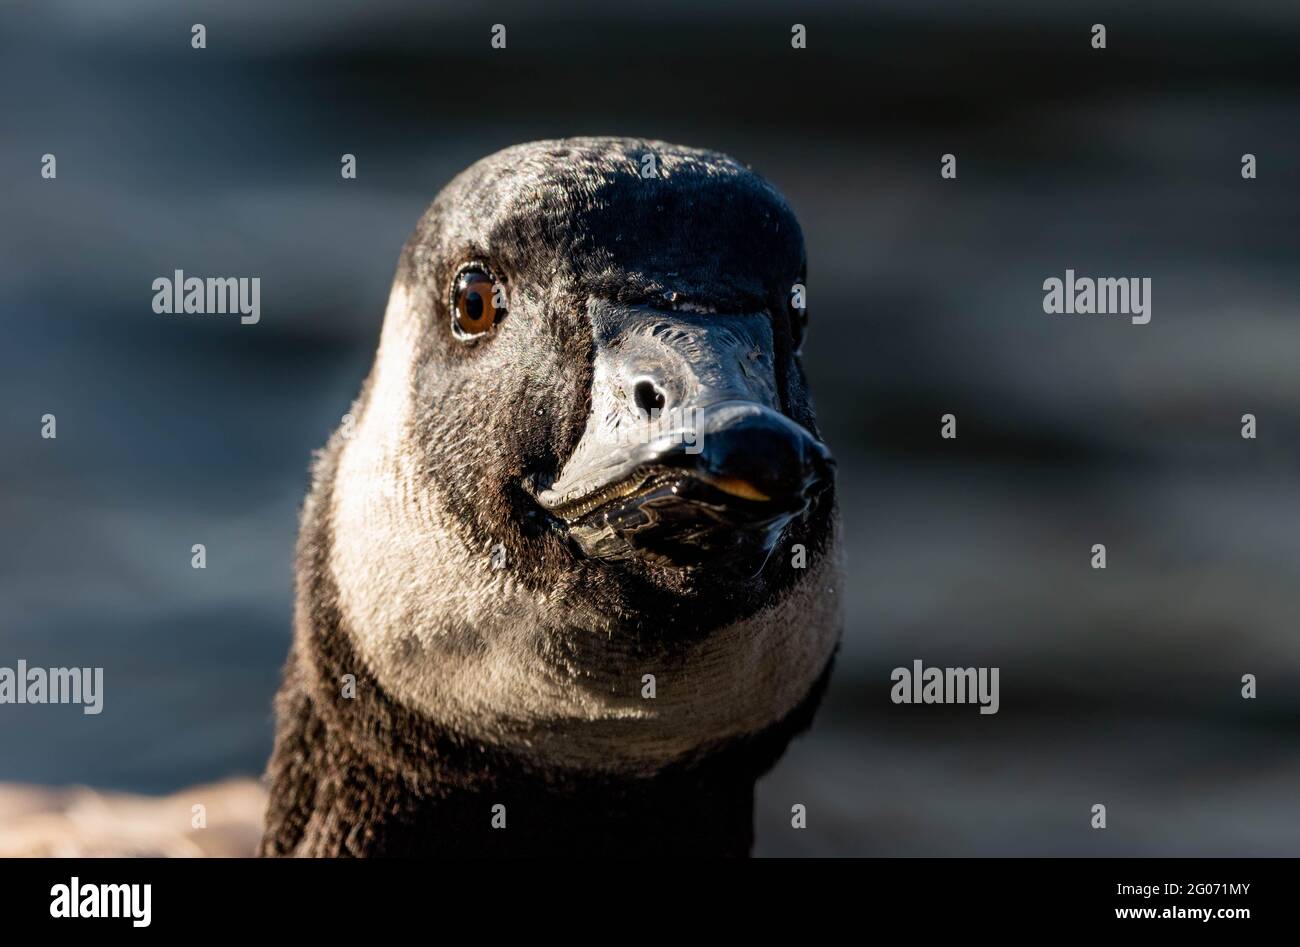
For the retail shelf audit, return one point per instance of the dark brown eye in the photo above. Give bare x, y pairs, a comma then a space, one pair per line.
477, 302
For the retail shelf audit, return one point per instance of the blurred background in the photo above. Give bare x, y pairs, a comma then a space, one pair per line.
1119, 686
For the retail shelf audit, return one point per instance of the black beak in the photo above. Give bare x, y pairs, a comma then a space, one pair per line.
758, 455
686, 459
726, 504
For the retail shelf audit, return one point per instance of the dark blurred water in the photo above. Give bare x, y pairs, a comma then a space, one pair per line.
1118, 687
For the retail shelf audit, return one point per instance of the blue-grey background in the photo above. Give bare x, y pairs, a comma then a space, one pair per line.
1120, 687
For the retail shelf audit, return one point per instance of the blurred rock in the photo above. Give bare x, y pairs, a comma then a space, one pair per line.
39, 822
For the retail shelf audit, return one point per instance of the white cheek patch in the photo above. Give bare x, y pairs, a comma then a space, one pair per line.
465, 645
441, 631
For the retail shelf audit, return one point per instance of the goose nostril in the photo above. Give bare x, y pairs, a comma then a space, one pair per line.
648, 398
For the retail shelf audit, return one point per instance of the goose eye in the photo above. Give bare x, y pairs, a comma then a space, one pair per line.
474, 303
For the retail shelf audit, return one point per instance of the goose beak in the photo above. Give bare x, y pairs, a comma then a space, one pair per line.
686, 459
